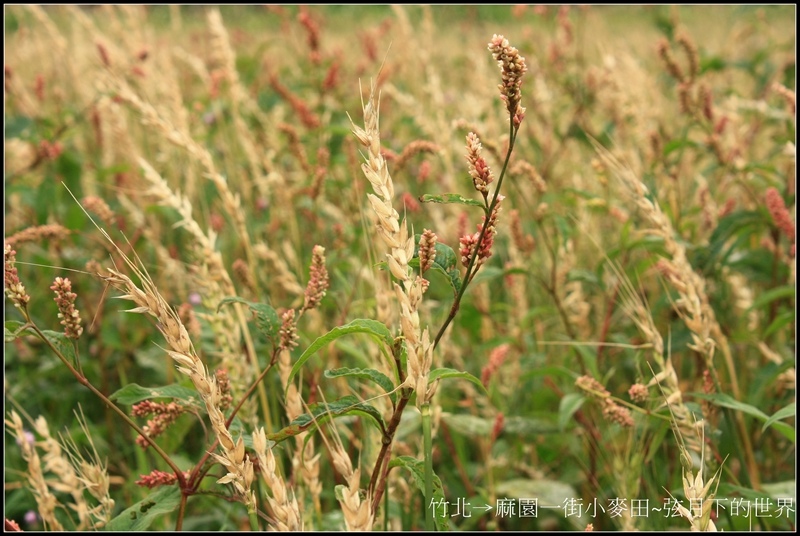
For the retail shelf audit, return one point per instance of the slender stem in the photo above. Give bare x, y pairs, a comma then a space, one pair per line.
607, 321
251, 354
254, 521
181, 512
248, 393
386, 513
552, 289
85, 382
428, 448
377, 483
469, 274
448, 441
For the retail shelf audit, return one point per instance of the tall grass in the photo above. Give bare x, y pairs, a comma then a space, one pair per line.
313, 269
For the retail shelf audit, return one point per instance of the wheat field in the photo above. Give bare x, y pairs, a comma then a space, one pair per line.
398, 268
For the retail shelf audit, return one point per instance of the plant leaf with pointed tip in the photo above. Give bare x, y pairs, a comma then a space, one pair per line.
570, 403
784, 413
361, 325
141, 515
450, 199
417, 470
444, 262
366, 374
442, 373
320, 413
727, 401
134, 393
62, 343
267, 320
13, 329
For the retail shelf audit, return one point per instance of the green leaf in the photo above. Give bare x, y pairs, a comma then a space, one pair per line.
442, 373
444, 262
445, 257
781, 490
68, 166
133, 394
784, 413
13, 329
139, 516
712, 63
782, 320
17, 125
450, 198
267, 320
366, 374
321, 412
569, 404
730, 231
417, 470
361, 325
674, 145
768, 297
44, 199
727, 401
468, 425
62, 343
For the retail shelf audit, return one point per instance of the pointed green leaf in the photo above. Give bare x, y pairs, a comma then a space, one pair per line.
678, 144
133, 394
445, 262
467, 425
366, 374
13, 329
371, 327
62, 343
141, 515
727, 401
442, 373
450, 199
784, 413
787, 291
417, 470
782, 320
267, 320
569, 404
321, 412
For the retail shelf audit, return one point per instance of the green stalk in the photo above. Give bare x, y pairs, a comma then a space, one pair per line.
426, 438
253, 520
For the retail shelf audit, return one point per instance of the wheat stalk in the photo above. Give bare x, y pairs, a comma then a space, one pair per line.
395, 237
45, 500
149, 301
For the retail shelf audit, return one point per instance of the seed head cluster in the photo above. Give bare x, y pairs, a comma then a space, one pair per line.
512, 66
